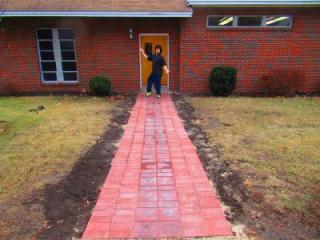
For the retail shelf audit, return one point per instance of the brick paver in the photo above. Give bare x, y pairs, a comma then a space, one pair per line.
156, 186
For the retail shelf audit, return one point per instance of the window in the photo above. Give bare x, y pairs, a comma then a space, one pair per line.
278, 21
220, 21
57, 55
250, 21
216, 22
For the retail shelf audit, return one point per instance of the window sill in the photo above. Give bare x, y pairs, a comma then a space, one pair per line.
60, 83
249, 29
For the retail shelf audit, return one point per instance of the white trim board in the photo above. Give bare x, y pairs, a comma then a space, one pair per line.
10, 13
257, 3
140, 56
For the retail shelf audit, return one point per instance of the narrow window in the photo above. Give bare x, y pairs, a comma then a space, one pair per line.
217, 21
220, 21
57, 55
278, 21
250, 21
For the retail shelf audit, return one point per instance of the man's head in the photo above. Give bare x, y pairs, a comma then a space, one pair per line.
158, 49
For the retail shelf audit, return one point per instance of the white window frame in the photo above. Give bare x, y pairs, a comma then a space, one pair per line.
263, 22
57, 57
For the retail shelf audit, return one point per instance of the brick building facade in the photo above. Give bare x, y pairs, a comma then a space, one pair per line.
253, 52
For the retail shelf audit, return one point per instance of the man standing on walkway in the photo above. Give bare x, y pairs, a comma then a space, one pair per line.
158, 63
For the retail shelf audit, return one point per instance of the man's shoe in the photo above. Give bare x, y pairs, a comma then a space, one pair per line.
158, 96
148, 94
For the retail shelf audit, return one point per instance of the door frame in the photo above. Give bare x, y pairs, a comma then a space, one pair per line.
167, 60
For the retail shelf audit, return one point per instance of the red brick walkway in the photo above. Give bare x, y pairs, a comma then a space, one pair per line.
156, 186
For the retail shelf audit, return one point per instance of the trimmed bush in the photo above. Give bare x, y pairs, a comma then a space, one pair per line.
101, 85
222, 80
282, 82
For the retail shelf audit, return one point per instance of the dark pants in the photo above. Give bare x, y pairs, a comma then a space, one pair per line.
156, 79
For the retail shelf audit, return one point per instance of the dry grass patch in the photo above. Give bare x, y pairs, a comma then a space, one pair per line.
38, 147
273, 142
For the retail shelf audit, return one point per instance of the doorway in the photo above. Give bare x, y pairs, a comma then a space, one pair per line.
148, 42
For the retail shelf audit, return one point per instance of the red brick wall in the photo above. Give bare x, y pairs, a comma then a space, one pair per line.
102, 46
253, 52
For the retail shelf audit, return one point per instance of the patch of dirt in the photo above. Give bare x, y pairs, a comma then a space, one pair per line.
213, 122
268, 113
19, 221
248, 141
37, 109
261, 220
62, 209
3, 126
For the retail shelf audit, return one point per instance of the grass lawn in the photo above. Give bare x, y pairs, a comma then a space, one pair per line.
273, 142
35, 146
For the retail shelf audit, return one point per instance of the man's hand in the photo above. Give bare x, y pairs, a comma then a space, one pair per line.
166, 69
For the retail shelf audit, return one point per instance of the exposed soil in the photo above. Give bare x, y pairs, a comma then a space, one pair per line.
68, 204
3, 126
68, 200
262, 221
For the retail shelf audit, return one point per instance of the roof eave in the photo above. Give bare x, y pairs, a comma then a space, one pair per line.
253, 3
9, 13
254, 6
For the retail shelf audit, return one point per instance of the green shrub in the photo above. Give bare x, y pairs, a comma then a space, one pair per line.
222, 80
101, 85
